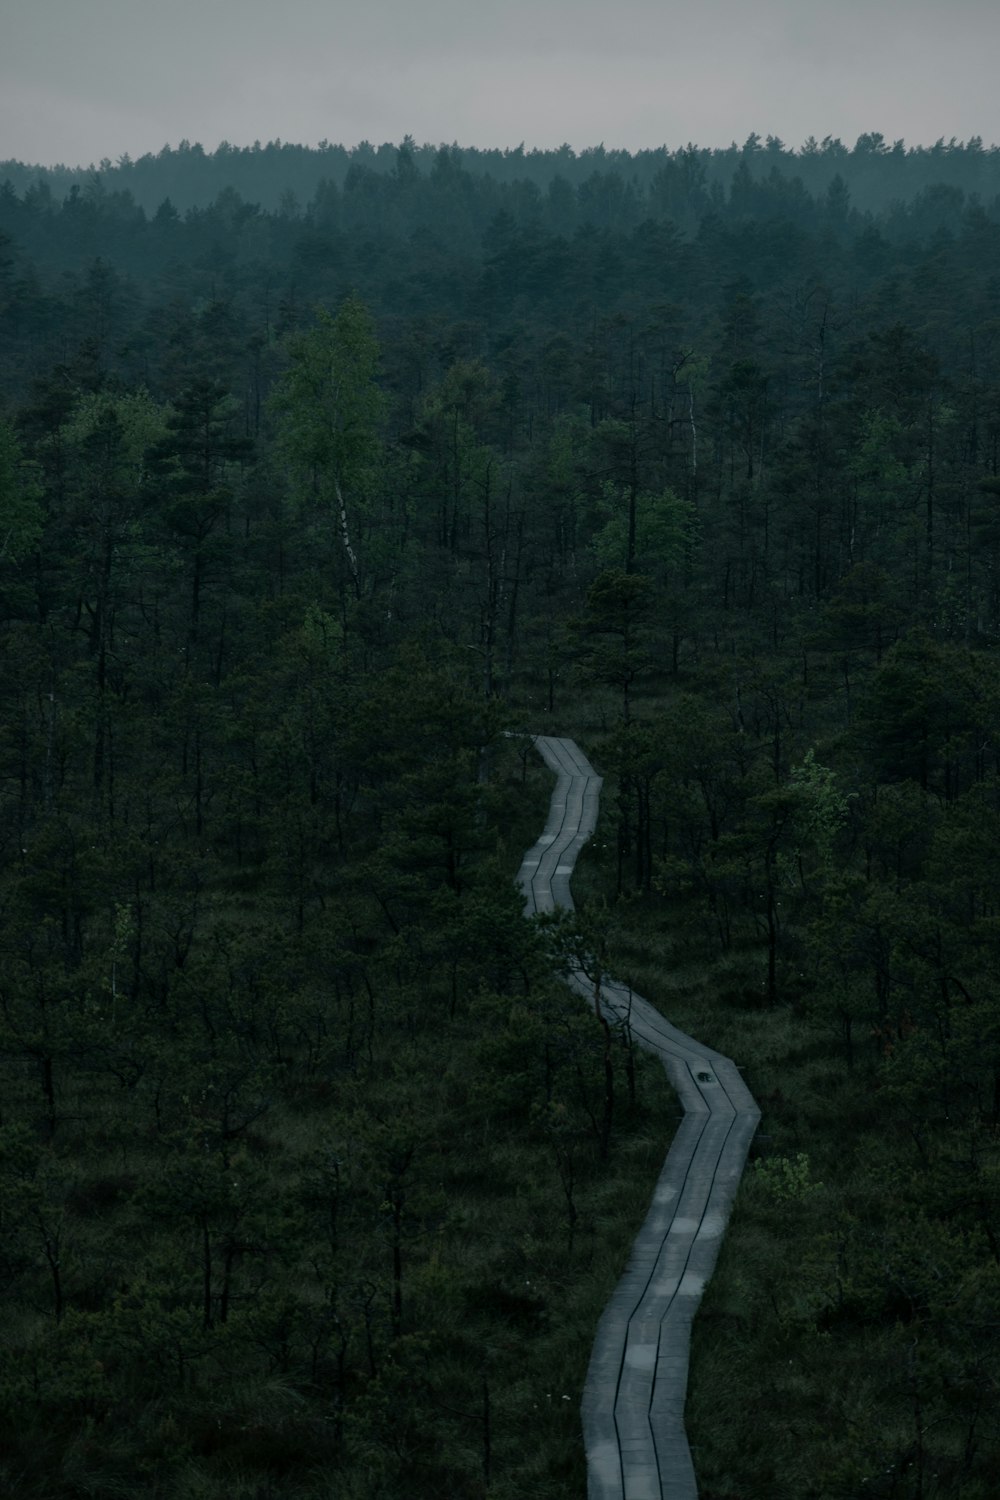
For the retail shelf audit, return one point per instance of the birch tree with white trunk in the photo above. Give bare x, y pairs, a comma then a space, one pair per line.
330, 408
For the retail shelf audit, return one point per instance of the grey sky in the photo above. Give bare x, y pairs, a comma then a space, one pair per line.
85, 79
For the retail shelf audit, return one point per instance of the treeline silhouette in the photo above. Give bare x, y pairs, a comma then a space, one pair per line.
281, 176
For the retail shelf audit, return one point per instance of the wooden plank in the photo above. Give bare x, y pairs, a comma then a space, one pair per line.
633, 1400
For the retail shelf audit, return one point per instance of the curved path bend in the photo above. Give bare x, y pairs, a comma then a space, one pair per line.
633, 1399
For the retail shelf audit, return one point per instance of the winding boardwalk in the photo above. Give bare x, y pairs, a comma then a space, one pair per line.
633, 1400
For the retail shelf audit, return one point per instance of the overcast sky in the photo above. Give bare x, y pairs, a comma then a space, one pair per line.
86, 79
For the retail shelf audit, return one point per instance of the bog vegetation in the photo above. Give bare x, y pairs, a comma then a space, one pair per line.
307, 513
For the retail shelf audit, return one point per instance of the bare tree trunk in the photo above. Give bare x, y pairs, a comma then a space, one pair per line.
345, 536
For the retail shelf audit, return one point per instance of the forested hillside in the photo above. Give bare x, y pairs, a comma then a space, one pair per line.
311, 1178
676, 183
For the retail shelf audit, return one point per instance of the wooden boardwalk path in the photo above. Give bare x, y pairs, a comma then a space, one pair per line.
633, 1400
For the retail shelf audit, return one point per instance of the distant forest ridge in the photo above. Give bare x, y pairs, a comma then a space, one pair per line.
282, 177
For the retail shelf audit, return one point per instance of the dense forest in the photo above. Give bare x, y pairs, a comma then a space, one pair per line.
678, 184
326, 478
